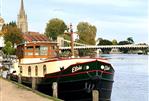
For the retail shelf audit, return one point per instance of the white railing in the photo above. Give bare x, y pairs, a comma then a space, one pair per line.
106, 46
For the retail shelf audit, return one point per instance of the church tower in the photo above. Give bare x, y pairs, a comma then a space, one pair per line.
22, 19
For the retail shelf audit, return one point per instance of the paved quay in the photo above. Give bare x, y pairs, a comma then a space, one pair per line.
12, 92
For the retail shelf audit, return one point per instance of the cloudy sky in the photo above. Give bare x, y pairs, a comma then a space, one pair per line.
114, 19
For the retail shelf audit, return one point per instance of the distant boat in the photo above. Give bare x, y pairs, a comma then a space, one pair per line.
115, 51
76, 77
140, 52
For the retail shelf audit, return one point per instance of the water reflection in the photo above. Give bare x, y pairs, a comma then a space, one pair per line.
131, 76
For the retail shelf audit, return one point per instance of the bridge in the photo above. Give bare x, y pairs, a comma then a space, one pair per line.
131, 46
64, 45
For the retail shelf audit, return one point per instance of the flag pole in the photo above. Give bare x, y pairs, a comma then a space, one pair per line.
72, 43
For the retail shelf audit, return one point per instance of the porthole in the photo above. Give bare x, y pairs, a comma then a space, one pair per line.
29, 70
20, 69
36, 70
44, 69
87, 67
102, 67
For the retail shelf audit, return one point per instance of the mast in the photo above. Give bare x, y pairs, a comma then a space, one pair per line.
70, 32
72, 43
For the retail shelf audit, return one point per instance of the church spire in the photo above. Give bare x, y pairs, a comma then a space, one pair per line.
22, 5
22, 19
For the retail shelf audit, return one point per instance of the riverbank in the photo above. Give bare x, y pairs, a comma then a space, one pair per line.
11, 91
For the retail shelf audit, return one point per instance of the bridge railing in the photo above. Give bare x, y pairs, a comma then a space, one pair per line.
75, 43
106, 46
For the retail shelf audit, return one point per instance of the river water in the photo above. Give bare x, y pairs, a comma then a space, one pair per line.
131, 80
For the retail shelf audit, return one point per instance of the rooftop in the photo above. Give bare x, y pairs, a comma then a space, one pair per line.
35, 36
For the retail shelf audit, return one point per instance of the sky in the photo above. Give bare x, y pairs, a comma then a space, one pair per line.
114, 19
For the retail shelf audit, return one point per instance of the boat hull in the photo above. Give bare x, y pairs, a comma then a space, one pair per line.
81, 90
77, 82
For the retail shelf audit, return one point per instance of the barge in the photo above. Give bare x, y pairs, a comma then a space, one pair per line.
76, 77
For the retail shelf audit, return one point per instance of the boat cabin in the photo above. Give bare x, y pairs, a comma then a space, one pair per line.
35, 48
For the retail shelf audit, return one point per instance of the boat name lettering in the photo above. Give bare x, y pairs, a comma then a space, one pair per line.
76, 68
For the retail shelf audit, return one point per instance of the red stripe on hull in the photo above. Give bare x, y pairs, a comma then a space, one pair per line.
72, 74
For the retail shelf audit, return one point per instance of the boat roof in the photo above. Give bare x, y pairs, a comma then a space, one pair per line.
35, 37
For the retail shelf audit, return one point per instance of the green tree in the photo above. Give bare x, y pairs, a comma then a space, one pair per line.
8, 48
54, 28
87, 33
12, 33
114, 42
130, 40
105, 42
123, 43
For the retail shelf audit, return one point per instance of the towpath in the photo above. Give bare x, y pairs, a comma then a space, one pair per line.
12, 92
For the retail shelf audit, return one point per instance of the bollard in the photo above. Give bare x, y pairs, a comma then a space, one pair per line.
8, 76
95, 95
33, 83
19, 79
55, 91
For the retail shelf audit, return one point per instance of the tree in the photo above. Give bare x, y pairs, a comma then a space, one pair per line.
123, 43
54, 28
8, 48
87, 33
12, 33
105, 42
114, 42
130, 40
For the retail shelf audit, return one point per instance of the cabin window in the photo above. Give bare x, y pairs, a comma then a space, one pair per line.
20, 69
53, 50
28, 53
29, 47
29, 70
44, 69
36, 70
53, 47
37, 50
41, 50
